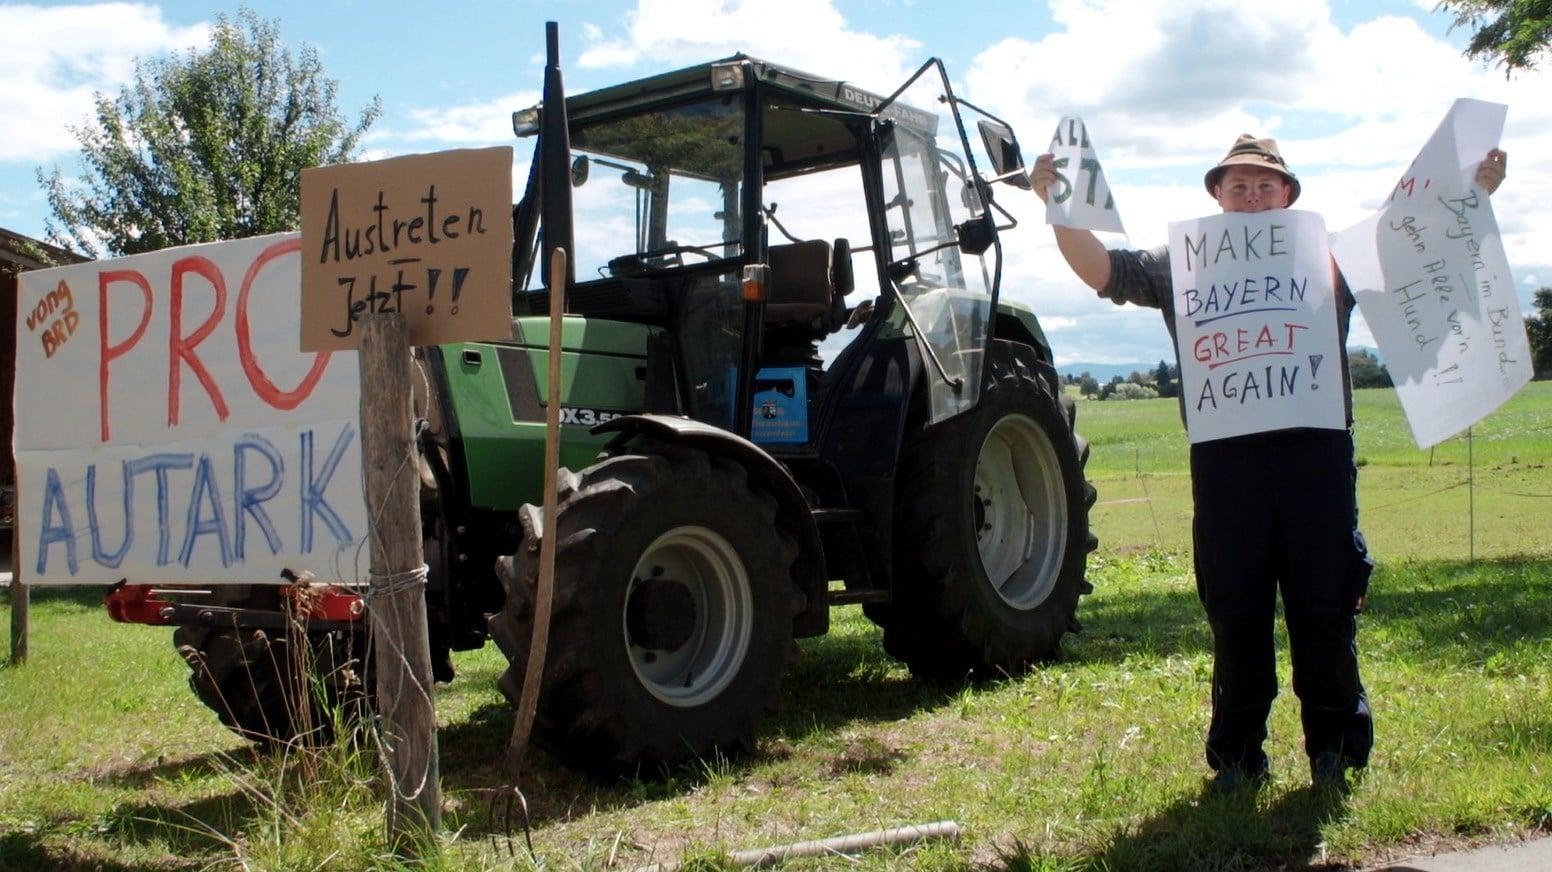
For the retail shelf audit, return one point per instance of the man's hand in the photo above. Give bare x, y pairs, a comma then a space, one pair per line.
1491, 171
1043, 176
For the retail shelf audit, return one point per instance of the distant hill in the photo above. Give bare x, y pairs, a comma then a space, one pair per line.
1103, 372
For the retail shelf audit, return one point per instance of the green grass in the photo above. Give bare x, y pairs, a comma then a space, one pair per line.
1147, 434
107, 761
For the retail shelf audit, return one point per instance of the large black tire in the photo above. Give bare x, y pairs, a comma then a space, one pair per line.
991, 531
251, 680
672, 614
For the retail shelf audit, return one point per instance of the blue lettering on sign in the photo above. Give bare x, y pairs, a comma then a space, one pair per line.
98, 554
196, 524
313, 487
250, 500
258, 476
63, 531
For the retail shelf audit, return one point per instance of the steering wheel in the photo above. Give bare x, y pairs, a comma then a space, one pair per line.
640, 262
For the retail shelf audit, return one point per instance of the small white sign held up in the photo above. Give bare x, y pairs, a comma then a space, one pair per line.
1081, 197
1256, 323
1433, 283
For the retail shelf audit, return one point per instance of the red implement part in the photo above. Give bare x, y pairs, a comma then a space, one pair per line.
145, 604
134, 604
328, 603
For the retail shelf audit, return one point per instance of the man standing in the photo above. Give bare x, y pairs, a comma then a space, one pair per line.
1272, 510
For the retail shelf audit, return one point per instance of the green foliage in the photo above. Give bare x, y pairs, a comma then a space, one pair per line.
1167, 378
1538, 327
203, 146
1512, 33
1133, 391
1088, 386
1366, 371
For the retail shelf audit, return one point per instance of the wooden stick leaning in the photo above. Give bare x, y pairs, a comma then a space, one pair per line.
533, 676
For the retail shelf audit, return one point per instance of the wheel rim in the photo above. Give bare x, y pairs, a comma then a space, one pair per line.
696, 671
1020, 512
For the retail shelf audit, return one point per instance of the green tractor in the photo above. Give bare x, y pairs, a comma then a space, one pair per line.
789, 383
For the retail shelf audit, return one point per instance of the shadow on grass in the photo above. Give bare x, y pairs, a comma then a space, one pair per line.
838, 680
1439, 609
188, 832
1210, 832
21, 851
193, 828
198, 766
76, 598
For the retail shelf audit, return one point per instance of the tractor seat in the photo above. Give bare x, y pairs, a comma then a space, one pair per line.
802, 285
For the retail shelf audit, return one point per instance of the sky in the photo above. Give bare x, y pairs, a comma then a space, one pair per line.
1350, 90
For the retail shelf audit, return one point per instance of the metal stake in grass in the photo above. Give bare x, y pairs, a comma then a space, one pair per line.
837, 846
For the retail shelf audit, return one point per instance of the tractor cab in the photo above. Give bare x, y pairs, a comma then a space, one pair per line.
838, 203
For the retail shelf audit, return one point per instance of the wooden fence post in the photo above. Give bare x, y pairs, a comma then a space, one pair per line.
19, 598
405, 700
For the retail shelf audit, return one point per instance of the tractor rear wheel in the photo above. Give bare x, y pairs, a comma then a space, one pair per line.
265, 690
672, 613
991, 532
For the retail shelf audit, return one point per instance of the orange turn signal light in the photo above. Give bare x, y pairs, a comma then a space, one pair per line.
757, 282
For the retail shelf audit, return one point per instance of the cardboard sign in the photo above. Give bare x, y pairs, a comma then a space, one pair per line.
167, 429
428, 236
1081, 197
1433, 282
1256, 322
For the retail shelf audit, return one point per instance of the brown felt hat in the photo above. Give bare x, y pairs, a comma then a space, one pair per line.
1251, 152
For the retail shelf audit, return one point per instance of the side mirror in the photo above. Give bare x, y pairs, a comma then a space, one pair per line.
1003, 149
579, 170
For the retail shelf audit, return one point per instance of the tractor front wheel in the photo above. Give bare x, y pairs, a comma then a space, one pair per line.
672, 612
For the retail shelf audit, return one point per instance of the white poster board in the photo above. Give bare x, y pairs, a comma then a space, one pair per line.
1256, 323
1081, 197
1434, 286
168, 429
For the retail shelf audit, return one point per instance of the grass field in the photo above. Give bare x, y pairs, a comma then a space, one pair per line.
108, 762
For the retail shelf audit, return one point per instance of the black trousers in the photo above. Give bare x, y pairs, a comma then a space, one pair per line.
1280, 511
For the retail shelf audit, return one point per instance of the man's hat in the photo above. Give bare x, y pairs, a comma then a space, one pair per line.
1251, 152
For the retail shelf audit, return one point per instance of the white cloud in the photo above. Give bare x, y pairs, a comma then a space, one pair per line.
482, 123
806, 34
1166, 85
54, 58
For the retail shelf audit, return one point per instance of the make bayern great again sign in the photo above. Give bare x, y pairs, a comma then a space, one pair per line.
1256, 323
168, 429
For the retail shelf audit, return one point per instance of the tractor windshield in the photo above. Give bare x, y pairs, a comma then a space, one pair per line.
928, 190
660, 188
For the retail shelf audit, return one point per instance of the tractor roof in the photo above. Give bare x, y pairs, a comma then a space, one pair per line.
699, 79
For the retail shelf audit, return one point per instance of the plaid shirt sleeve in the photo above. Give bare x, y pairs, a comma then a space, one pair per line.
1139, 277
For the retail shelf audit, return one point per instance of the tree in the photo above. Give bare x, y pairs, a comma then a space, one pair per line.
1514, 33
1366, 371
203, 146
1166, 377
1538, 327
1088, 386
